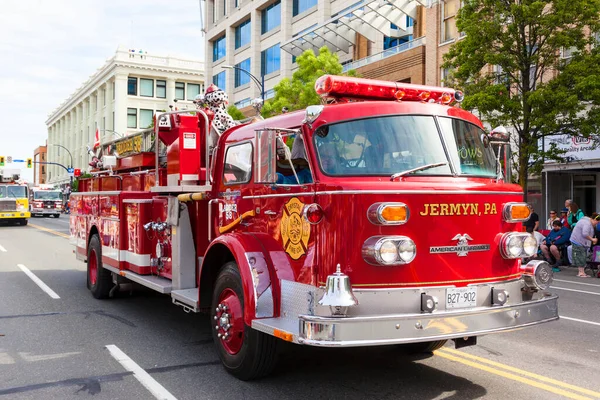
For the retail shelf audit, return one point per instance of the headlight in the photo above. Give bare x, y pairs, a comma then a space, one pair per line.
20, 207
517, 244
389, 250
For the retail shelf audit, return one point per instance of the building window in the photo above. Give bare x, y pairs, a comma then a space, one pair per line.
241, 77
243, 103
224, 3
568, 52
444, 73
271, 17
179, 90
146, 118
147, 87
132, 86
132, 117
270, 60
237, 3
193, 90
449, 11
113, 89
219, 80
103, 97
161, 89
219, 48
242, 34
302, 5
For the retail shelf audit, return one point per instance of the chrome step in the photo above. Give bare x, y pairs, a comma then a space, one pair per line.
160, 284
286, 325
187, 298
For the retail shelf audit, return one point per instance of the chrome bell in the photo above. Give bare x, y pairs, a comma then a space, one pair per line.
338, 293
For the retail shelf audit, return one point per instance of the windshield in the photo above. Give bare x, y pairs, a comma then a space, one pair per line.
47, 195
395, 144
14, 192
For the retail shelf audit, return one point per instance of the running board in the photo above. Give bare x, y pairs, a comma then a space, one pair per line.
186, 298
282, 325
160, 284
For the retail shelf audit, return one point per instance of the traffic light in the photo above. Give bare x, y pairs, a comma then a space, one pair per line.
29, 163
1, 161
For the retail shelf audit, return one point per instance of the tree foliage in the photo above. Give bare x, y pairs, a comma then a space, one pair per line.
299, 92
235, 113
510, 66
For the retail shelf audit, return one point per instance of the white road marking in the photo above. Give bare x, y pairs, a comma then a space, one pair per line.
138, 372
38, 281
575, 290
2, 249
580, 320
6, 359
576, 283
44, 357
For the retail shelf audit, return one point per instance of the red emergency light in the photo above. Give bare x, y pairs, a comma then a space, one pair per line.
371, 89
77, 172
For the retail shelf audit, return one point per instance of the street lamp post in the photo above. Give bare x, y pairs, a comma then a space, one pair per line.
260, 83
70, 155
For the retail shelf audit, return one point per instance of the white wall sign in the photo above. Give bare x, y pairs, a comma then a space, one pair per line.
578, 148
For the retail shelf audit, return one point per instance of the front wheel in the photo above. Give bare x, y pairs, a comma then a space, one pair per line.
245, 352
99, 280
56, 215
23, 222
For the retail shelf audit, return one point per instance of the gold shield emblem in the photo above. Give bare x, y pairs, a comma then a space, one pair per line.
295, 231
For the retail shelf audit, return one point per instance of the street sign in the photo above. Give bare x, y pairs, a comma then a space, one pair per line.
71, 171
18, 160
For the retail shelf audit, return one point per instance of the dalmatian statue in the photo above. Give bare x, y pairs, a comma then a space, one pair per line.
216, 100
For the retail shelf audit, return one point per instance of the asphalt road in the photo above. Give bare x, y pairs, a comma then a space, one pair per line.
61, 343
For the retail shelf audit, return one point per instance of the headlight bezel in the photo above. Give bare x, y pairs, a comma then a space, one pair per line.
508, 210
371, 250
518, 240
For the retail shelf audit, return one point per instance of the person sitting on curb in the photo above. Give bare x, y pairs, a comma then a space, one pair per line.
554, 242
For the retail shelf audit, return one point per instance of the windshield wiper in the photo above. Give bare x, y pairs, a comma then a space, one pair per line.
421, 168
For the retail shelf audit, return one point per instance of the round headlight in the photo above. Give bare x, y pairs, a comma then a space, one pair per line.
514, 246
388, 252
407, 250
529, 246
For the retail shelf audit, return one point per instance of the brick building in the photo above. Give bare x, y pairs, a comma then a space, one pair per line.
39, 171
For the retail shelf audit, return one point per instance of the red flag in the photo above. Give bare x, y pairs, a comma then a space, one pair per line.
97, 140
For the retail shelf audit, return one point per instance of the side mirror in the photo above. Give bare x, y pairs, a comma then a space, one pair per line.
265, 157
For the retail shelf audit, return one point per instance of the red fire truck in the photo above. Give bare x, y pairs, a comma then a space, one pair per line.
380, 217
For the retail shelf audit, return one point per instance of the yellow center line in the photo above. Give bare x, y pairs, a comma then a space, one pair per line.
446, 353
41, 228
523, 372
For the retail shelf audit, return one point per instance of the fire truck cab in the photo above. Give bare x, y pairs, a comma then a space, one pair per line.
380, 217
46, 200
14, 203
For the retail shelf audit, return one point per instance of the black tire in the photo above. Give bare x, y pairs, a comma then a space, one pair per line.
258, 353
56, 215
23, 222
423, 347
103, 282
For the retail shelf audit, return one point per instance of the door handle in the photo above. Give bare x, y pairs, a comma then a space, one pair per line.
270, 212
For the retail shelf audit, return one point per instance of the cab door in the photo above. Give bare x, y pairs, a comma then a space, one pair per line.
281, 205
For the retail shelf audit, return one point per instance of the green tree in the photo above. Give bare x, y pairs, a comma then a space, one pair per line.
299, 92
235, 113
510, 66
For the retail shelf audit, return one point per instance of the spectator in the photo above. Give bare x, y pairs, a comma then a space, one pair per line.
553, 217
532, 223
563, 218
556, 240
575, 213
581, 239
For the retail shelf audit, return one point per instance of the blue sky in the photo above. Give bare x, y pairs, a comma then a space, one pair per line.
50, 47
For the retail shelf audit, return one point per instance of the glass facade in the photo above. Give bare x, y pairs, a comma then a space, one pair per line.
242, 34
302, 5
270, 60
219, 80
219, 48
146, 87
132, 86
241, 77
271, 17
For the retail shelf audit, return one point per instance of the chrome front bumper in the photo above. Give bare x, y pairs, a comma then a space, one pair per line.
411, 328
46, 211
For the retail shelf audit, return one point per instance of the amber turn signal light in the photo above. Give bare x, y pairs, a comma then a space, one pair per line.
388, 213
517, 212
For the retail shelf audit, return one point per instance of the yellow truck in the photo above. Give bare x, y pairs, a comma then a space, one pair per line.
14, 197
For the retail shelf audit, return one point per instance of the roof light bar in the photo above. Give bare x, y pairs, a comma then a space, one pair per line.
372, 89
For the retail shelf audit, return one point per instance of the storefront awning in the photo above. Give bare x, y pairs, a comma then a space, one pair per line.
369, 18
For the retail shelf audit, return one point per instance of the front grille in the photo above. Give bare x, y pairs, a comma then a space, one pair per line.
49, 203
8, 205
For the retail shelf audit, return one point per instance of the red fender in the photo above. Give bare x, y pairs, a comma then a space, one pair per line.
262, 264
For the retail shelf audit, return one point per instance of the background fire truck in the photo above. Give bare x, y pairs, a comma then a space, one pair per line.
46, 200
389, 221
14, 203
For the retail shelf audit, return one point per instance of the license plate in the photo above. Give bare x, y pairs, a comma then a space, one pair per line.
461, 297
